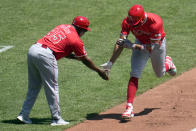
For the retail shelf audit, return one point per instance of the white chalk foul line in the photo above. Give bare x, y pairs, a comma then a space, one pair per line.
4, 48
193, 129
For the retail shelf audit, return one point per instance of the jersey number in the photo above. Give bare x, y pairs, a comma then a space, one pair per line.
56, 36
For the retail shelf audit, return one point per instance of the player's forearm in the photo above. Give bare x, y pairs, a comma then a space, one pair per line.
117, 50
86, 61
116, 53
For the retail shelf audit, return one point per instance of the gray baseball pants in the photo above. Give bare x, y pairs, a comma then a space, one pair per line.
140, 58
42, 70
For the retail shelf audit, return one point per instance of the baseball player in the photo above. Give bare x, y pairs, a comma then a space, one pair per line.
63, 41
150, 43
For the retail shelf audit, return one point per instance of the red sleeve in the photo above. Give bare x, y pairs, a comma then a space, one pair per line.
79, 49
125, 27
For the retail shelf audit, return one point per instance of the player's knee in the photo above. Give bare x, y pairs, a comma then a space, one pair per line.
159, 75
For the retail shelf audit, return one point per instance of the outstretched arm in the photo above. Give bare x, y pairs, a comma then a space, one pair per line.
89, 63
116, 53
121, 43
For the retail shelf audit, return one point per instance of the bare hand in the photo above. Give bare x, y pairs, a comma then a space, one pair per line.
103, 74
138, 46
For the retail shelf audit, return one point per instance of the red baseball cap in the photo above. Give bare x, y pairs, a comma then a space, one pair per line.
81, 22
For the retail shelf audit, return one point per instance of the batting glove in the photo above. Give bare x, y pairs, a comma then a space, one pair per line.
125, 43
107, 65
120, 42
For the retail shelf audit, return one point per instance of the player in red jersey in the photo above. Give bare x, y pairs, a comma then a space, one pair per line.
150, 43
63, 41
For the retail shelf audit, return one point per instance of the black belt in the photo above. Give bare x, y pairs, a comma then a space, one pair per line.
44, 46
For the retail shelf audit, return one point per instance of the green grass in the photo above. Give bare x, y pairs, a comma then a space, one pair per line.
82, 92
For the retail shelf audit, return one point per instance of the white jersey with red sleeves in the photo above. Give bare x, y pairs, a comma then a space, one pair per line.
63, 40
151, 29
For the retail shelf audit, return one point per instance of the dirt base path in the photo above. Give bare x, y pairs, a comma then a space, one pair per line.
168, 107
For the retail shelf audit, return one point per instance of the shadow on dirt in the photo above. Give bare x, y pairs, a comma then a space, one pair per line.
146, 111
96, 116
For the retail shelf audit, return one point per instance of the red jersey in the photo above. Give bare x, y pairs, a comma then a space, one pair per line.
63, 40
151, 29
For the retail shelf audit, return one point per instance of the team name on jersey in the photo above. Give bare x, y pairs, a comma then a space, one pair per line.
141, 32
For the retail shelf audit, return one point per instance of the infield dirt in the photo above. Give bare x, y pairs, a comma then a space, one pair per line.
170, 106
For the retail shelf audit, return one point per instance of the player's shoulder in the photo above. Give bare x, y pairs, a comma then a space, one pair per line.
72, 35
125, 24
76, 42
124, 21
74, 38
153, 17
154, 21
66, 27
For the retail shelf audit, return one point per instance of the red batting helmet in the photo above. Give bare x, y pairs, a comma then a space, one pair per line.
81, 22
136, 14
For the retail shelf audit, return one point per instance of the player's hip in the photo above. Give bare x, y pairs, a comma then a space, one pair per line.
37, 51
